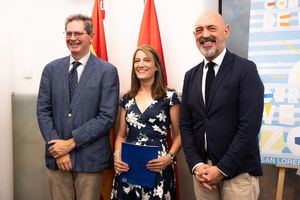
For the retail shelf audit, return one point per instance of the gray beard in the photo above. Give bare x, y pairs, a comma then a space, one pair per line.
208, 53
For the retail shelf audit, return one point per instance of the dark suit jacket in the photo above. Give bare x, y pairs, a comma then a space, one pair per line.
231, 119
88, 118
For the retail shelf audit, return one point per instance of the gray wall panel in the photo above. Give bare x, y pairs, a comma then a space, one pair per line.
236, 13
30, 179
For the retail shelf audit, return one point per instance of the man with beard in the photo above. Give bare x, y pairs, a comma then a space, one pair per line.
76, 108
221, 113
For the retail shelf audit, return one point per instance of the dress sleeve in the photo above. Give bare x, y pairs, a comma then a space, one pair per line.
174, 98
122, 102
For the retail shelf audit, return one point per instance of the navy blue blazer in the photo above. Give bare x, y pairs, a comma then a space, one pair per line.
231, 119
88, 118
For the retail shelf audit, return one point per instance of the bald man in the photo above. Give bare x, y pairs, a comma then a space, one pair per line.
221, 113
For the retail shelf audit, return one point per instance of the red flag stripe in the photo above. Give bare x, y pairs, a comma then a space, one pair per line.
99, 43
149, 32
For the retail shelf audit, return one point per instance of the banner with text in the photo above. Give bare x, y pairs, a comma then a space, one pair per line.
274, 45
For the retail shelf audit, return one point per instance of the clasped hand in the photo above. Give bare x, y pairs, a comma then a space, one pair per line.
60, 147
208, 176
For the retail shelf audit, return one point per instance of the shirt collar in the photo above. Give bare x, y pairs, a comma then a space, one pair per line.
218, 60
83, 60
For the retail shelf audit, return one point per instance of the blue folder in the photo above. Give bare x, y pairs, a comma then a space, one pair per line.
297, 140
137, 156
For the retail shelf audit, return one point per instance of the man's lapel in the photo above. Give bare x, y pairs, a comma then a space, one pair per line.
64, 76
199, 82
195, 87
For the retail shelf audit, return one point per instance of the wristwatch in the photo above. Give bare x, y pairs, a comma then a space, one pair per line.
171, 156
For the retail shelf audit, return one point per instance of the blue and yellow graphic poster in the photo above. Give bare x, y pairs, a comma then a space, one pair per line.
274, 45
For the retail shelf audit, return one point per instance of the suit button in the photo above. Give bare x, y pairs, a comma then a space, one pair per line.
69, 115
205, 120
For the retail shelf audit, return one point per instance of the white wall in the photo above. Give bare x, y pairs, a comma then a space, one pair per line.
37, 32
6, 166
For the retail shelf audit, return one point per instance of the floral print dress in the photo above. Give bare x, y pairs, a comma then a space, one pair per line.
148, 128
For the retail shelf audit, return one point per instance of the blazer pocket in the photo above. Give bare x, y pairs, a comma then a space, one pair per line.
91, 90
227, 95
229, 86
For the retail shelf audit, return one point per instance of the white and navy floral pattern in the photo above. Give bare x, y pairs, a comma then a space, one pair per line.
149, 128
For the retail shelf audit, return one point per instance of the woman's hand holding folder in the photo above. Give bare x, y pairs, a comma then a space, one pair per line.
120, 166
158, 164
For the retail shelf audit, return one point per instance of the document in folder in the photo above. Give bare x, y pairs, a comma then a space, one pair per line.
137, 156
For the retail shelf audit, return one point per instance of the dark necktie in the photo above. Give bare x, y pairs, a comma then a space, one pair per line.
73, 78
210, 77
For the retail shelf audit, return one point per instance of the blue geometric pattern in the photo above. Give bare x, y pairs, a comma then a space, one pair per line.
274, 45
